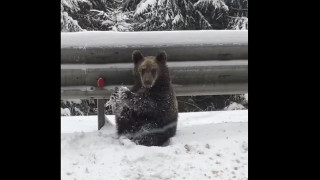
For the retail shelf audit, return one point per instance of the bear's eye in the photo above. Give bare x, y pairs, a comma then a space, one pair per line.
143, 70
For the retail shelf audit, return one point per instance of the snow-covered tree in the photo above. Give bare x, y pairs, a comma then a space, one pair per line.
96, 15
238, 23
212, 103
78, 107
157, 15
181, 14
153, 15
212, 14
113, 19
130, 4
238, 14
68, 24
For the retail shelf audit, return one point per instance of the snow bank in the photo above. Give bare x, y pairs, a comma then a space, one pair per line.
208, 145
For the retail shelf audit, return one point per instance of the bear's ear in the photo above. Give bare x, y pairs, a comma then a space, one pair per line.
137, 56
162, 57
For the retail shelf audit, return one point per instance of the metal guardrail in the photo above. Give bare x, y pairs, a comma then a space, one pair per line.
100, 47
207, 62
188, 78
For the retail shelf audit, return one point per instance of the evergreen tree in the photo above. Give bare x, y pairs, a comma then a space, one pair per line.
181, 14
212, 14
130, 5
97, 15
78, 107
238, 14
68, 24
113, 19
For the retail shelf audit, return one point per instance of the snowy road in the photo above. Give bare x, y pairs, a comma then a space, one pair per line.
208, 145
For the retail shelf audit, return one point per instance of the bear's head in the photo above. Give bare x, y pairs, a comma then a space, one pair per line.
149, 68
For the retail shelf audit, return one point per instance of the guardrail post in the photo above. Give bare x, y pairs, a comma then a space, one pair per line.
101, 107
101, 113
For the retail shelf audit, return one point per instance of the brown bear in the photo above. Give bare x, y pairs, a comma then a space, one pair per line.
148, 113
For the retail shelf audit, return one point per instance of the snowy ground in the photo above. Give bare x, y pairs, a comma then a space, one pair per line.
208, 145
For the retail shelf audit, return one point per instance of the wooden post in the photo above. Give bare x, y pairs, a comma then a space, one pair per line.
101, 113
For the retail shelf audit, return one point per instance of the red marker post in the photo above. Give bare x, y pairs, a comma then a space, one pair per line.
100, 82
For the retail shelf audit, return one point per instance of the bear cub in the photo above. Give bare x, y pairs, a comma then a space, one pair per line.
148, 113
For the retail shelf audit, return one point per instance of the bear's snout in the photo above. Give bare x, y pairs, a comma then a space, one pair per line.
147, 84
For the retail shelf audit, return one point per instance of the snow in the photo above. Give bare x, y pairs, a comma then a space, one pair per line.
65, 112
75, 124
78, 111
73, 4
246, 96
107, 22
234, 106
69, 24
143, 5
75, 101
217, 4
117, 100
208, 145
177, 19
